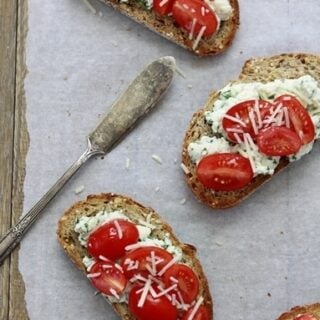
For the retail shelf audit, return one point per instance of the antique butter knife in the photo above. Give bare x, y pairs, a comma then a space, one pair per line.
141, 95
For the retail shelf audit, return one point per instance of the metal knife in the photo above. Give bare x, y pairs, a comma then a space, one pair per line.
141, 95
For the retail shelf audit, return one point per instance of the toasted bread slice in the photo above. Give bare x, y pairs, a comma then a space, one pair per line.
68, 238
166, 27
288, 66
311, 310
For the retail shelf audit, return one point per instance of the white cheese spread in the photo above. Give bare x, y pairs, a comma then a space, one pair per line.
305, 88
222, 8
85, 225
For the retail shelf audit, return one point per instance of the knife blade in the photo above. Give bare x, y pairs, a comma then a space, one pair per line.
138, 99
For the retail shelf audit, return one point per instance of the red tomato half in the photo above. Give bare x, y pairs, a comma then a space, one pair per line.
188, 283
110, 279
278, 141
305, 317
139, 261
224, 171
299, 117
107, 241
241, 112
153, 308
201, 314
195, 14
163, 7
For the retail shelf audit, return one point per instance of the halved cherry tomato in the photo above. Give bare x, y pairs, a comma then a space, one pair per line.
107, 278
107, 241
193, 15
188, 283
201, 314
305, 317
299, 117
159, 308
139, 261
163, 7
278, 141
244, 124
224, 171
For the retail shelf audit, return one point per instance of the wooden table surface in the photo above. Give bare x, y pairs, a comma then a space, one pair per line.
14, 144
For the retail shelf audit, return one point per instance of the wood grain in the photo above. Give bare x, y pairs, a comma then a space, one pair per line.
17, 306
8, 20
13, 139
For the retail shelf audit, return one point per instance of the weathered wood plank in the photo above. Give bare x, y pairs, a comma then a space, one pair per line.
17, 306
8, 23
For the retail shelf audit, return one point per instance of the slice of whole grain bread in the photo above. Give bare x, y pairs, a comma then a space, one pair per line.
68, 238
311, 309
285, 66
166, 27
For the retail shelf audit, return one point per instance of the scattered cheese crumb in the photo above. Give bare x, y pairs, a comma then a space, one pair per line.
219, 244
127, 163
157, 189
90, 6
189, 86
183, 201
79, 189
156, 158
180, 73
114, 43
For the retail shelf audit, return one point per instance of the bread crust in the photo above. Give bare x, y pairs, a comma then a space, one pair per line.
311, 309
68, 238
263, 70
166, 27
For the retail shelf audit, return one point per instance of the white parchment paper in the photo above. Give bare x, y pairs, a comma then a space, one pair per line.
261, 257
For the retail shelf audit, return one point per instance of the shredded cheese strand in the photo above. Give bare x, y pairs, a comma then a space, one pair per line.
94, 275
194, 21
165, 291
195, 308
201, 32
253, 121
167, 266
286, 117
144, 294
119, 231
235, 120
257, 111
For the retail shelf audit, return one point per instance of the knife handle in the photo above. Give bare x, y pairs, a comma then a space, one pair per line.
14, 235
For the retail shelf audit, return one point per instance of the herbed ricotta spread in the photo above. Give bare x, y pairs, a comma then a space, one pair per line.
304, 88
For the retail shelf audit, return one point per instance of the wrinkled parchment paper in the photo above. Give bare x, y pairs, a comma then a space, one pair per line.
261, 257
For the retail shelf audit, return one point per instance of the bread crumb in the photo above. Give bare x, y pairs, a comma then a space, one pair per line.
219, 243
79, 189
157, 189
156, 158
90, 6
114, 43
127, 163
189, 86
183, 201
